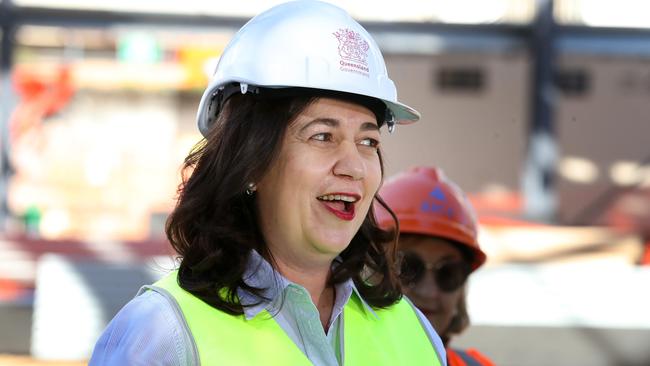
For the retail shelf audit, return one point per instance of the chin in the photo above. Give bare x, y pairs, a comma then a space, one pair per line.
333, 244
334, 248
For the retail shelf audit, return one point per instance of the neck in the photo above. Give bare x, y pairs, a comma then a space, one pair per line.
314, 278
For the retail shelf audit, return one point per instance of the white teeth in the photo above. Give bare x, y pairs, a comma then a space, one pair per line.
337, 197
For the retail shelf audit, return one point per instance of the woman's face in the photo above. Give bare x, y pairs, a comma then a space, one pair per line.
437, 305
317, 192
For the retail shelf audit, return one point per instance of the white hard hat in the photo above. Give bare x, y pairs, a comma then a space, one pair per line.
303, 44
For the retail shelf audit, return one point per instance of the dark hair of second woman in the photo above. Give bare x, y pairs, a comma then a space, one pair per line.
214, 226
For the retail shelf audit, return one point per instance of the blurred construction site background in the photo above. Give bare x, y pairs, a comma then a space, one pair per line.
539, 109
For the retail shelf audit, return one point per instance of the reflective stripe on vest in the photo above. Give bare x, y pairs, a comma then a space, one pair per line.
396, 338
457, 357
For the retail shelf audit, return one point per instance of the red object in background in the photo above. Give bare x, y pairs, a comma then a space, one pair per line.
631, 212
645, 257
43, 92
11, 290
501, 209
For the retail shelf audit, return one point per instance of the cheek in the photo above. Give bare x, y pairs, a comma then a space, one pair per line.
451, 300
289, 171
374, 174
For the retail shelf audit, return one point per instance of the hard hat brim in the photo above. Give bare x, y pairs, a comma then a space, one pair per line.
403, 113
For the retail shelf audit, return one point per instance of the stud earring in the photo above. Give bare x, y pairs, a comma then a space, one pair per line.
251, 188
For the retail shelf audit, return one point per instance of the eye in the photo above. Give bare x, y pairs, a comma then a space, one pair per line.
323, 136
370, 142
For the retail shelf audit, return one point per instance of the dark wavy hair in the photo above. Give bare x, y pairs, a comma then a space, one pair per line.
213, 227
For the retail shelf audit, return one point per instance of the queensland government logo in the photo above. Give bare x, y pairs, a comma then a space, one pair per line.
353, 50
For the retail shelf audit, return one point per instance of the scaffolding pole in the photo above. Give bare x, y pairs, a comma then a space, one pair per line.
7, 101
538, 181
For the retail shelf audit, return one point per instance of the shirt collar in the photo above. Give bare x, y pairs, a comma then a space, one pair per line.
260, 274
366, 306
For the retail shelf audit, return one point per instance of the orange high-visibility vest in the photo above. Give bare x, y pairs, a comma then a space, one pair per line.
468, 357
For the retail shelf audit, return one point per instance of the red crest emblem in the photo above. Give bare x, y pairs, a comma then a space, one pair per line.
352, 47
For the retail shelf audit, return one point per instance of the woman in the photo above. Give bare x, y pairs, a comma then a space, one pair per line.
282, 262
438, 243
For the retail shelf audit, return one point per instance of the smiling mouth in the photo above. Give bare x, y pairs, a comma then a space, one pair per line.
340, 204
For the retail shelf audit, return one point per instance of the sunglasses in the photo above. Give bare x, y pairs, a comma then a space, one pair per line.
449, 275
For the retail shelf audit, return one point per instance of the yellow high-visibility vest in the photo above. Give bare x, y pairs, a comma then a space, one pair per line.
396, 337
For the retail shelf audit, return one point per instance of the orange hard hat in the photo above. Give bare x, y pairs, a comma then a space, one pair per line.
426, 202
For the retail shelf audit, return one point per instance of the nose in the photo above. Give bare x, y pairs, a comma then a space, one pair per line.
350, 164
426, 288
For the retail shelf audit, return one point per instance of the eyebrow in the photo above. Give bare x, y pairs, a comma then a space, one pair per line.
332, 122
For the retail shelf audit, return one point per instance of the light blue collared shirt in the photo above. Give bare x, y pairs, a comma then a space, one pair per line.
151, 330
